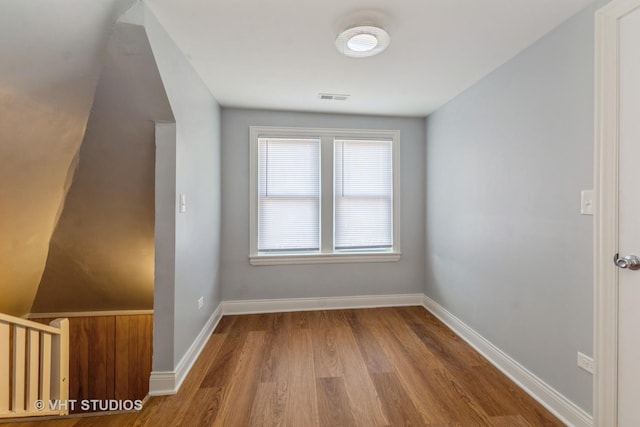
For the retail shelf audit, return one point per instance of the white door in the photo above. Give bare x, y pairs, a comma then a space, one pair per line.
629, 221
617, 222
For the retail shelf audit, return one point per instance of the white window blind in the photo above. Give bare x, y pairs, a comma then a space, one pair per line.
363, 195
288, 194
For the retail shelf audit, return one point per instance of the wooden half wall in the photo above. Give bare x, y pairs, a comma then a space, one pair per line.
109, 356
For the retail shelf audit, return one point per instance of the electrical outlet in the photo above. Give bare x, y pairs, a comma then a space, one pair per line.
585, 362
200, 302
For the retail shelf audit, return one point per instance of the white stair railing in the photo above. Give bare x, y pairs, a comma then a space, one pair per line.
34, 367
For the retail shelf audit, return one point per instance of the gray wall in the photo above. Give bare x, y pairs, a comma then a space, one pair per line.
101, 255
197, 232
507, 249
241, 281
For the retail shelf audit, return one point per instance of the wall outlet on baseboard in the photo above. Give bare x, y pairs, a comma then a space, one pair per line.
200, 302
585, 362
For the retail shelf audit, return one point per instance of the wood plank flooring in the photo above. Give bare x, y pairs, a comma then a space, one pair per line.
368, 367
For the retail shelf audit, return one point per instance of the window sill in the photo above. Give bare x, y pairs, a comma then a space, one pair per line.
290, 259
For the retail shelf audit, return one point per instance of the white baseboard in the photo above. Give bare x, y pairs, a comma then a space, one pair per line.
327, 303
164, 383
556, 403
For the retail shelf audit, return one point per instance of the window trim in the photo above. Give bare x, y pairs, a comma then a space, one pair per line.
326, 254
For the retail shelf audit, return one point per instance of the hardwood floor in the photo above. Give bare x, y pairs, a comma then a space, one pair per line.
369, 367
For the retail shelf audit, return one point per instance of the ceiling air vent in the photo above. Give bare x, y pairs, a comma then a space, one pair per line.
333, 96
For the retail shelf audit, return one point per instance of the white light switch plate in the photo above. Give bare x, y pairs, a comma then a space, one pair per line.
182, 203
586, 202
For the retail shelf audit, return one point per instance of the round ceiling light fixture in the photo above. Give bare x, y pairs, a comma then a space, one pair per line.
362, 41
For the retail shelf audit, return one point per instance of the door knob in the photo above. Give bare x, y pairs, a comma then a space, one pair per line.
630, 261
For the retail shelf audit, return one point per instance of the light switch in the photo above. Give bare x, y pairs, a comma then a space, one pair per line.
182, 204
586, 202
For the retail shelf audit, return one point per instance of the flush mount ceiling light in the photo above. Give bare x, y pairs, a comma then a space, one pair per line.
364, 41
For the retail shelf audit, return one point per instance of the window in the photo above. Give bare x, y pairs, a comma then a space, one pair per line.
288, 195
324, 195
363, 195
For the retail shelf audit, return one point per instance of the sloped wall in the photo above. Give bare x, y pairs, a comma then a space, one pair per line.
51, 58
101, 255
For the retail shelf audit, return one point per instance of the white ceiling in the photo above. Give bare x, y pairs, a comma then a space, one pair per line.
279, 54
